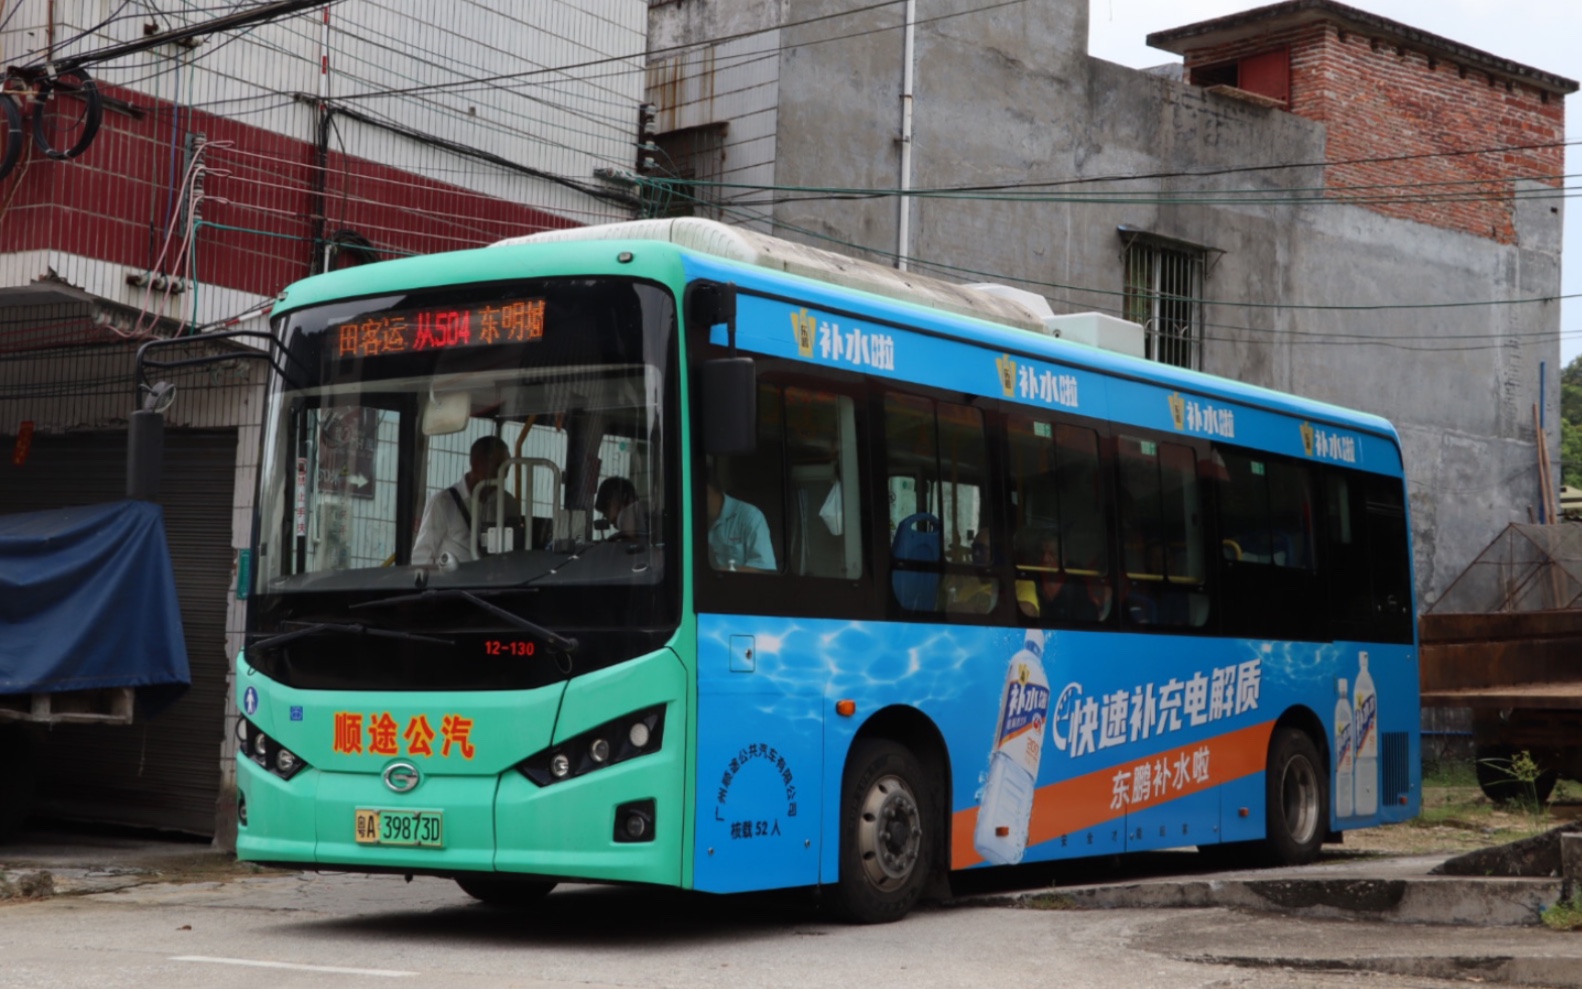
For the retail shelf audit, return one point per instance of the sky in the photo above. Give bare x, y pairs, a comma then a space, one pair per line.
1543, 34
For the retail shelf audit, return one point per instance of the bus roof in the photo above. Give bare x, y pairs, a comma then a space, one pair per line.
703, 248
763, 251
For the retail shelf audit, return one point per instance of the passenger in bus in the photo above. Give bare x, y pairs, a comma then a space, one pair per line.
625, 513
447, 518
738, 533
1069, 590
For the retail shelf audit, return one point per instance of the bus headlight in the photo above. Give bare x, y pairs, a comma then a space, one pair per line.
267, 752
615, 741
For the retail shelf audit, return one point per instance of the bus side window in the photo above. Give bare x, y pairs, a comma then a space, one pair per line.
916, 534
824, 538
1161, 534
1059, 541
968, 589
1366, 557
1268, 561
936, 478
750, 534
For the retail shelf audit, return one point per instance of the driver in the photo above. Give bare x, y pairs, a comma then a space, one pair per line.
447, 518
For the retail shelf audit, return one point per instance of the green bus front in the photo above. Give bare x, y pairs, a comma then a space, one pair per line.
521, 702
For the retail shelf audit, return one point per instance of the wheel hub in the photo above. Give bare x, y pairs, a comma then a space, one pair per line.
1299, 793
889, 832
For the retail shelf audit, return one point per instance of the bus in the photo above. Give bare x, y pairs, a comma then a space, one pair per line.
671, 553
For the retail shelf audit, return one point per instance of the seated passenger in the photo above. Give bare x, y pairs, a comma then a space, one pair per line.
738, 533
618, 503
1063, 596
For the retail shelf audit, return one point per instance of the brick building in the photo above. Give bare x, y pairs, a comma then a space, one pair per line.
1408, 115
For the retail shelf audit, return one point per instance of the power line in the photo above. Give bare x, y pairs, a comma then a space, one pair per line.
642, 57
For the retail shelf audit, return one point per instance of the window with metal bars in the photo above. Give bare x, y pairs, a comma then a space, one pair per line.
692, 160
1164, 294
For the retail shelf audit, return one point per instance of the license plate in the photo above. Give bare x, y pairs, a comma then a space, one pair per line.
422, 828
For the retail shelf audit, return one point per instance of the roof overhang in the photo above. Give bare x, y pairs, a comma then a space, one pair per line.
1281, 17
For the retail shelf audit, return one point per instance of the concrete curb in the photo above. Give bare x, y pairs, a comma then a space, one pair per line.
1464, 902
1552, 973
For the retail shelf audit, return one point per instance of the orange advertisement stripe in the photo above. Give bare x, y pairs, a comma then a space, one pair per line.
1084, 801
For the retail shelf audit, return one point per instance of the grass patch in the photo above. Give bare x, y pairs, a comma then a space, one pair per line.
1471, 815
1449, 773
1565, 915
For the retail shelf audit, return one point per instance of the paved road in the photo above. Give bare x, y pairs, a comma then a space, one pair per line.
284, 931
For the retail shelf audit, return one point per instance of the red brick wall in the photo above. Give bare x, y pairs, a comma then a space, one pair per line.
1377, 101
112, 203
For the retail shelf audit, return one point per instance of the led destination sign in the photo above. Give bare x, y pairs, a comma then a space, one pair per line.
440, 328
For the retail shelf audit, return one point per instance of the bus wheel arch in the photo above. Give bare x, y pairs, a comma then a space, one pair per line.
1296, 779
894, 820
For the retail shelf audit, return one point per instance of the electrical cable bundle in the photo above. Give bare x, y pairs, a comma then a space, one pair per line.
39, 88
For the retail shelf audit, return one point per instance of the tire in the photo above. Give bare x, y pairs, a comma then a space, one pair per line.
1492, 763
504, 891
1296, 800
887, 839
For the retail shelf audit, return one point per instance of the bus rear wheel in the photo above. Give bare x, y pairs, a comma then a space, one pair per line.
1297, 803
887, 835
504, 891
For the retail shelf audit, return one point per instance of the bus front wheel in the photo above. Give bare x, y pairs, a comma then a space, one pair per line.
1297, 799
886, 836
504, 891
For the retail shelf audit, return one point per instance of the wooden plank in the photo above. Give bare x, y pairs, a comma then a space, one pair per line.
1559, 696
107, 706
1514, 625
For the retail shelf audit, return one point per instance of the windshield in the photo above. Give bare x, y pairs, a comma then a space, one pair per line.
484, 436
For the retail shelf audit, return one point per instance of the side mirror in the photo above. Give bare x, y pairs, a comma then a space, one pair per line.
709, 304
730, 406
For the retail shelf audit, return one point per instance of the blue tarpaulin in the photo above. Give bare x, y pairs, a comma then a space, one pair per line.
88, 600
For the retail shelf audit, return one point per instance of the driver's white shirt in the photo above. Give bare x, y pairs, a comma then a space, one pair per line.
444, 530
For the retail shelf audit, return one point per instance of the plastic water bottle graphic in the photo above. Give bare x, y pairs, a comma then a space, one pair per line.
1006, 808
1345, 742
1366, 728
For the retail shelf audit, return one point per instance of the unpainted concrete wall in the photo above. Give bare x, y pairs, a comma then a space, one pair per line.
1009, 96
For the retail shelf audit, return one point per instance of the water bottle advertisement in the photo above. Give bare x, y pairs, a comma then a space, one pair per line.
1061, 744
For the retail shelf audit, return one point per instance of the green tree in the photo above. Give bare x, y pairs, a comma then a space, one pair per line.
1571, 423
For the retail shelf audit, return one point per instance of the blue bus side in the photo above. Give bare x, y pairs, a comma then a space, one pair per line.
771, 748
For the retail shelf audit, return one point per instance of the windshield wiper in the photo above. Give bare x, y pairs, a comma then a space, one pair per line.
348, 629
552, 639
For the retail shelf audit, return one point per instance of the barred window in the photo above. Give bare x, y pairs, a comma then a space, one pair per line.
1164, 294
693, 158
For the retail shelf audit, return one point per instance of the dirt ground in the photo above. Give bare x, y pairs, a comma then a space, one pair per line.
1460, 819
